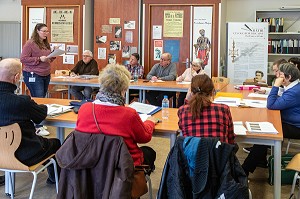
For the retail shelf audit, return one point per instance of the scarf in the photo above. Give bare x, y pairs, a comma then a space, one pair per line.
113, 98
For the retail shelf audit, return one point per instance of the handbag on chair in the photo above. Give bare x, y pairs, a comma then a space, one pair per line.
139, 184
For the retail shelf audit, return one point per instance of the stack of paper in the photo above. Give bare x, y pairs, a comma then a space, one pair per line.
258, 95
144, 108
230, 101
254, 103
239, 128
56, 109
261, 127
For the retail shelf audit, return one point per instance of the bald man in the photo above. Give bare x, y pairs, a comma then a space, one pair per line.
23, 110
164, 70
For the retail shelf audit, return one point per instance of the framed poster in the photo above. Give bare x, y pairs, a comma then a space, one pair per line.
247, 50
202, 34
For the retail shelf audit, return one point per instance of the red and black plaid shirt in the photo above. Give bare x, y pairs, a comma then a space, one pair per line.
214, 121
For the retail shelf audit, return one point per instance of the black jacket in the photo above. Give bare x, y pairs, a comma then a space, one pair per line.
23, 110
94, 166
217, 171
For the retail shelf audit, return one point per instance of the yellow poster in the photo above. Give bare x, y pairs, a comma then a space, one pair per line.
62, 25
173, 23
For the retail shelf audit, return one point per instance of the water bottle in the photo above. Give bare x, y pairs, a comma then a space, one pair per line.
135, 76
165, 107
187, 63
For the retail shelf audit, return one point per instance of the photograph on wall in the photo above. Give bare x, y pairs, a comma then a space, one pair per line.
202, 34
126, 51
247, 52
118, 32
101, 39
112, 59
173, 23
62, 25
115, 45
129, 24
101, 53
72, 49
129, 37
133, 49
114, 20
68, 59
106, 29
158, 49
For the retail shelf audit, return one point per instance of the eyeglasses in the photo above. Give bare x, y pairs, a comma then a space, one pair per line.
85, 56
162, 59
194, 65
44, 31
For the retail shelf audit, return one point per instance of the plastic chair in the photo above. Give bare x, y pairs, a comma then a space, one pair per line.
10, 139
294, 164
289, 144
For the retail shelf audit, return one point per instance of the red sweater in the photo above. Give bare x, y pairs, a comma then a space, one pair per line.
117, 120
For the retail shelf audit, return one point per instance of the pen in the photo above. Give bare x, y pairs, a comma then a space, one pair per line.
248, 27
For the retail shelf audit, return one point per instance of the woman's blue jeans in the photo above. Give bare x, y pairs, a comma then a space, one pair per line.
38, 85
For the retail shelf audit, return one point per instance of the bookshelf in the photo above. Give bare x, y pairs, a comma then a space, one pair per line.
284, 32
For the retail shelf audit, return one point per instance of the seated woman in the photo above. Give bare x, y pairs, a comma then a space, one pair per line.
114, 118
200, 117
288, 104
187, 75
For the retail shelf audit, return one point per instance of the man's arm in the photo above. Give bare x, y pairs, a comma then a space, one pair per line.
172, 73
152, 72
76, 68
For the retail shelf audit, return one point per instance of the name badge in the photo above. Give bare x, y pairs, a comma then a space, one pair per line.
31, 79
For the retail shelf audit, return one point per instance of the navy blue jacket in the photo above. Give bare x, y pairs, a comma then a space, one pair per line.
217, 172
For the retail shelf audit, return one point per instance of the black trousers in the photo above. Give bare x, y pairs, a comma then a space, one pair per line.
156, 97
258, 153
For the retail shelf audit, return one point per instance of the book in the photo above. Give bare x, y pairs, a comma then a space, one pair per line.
144, 108
261, 127
57, 109
239, 128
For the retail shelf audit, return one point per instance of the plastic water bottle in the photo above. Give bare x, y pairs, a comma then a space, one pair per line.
165, 107
187, 63
135, 76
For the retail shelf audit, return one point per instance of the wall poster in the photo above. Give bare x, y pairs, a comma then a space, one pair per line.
247, 50
202, 34
173, 23
36, 15
62, 25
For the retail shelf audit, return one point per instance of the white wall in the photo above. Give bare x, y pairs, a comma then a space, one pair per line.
10, 10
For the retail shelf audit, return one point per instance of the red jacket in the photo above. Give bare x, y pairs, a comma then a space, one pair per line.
117, 120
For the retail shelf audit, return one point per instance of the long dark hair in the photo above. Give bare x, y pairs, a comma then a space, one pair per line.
36, 38
202, 88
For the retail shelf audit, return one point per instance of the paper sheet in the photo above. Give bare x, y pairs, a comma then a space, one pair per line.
258, 95
261, 127
229, 101
142, 108
254, 103
56, 52
239, 128
183, 82
55, 109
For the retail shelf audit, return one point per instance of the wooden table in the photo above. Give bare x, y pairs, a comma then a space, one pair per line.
168, 128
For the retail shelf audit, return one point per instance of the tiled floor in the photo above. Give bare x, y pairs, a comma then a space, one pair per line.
258, 181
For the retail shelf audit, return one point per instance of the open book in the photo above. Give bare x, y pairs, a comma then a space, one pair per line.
144, 108
56, 109
261, 127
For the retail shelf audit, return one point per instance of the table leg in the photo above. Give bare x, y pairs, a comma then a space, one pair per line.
60, 134
144, 96
69, 94
277, 169
127, 97
141, 96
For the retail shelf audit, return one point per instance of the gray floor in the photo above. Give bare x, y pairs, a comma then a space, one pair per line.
258, 181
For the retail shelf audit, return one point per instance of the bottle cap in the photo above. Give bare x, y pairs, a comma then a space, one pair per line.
165, 96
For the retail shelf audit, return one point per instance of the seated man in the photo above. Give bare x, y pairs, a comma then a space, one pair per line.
86, 66
23, 110
164, 70
135, 69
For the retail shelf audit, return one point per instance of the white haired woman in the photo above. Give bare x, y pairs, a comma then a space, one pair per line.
113, 118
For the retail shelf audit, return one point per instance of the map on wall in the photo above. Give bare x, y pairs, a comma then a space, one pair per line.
247, 50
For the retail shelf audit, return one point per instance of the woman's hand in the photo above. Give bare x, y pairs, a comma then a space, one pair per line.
152, 119
44, 59
179, 79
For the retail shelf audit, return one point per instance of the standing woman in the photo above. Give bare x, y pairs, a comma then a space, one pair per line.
36, 69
